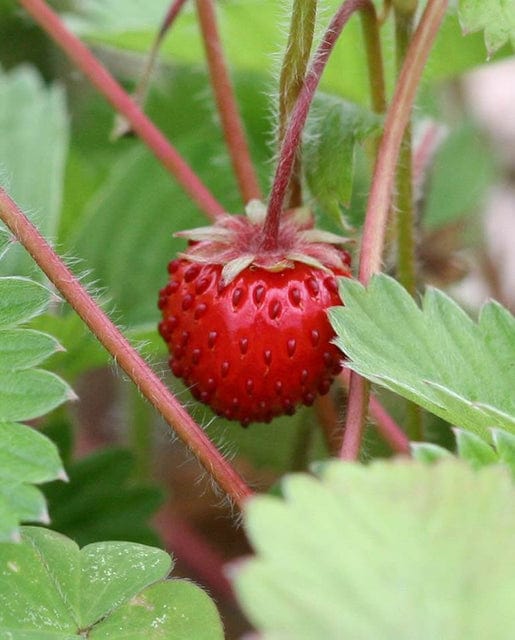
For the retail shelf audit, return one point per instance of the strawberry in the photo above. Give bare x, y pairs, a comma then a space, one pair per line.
246, 328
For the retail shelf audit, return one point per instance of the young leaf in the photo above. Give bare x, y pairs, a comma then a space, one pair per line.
33, 146
428, 452
109, 590
435, 356
495, 17
399, 550
334, 129
474, 450
26, 456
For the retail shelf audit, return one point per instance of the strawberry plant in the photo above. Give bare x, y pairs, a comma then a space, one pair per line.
336, 222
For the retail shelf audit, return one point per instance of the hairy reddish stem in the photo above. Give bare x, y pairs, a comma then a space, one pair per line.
125, 105
299, 114
397, 118
226, 103
123, 353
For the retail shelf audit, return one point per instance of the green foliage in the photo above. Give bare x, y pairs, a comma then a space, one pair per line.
100, 501
435, 356
33, 147
495, 17
473, 449
49, 589
26, 456
458, 186
394, 551
334, 129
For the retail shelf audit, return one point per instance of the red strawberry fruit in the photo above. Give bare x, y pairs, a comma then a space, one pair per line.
247, 328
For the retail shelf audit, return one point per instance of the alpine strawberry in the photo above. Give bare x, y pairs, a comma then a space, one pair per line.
247, 329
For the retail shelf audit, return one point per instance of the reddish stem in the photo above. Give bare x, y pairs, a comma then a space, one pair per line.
299, 114
123, 353
397, 118
124, 104
226, 103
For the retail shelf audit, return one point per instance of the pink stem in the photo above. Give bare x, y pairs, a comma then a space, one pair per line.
121, 101
299, 114
122, 352
226, 103
397, 118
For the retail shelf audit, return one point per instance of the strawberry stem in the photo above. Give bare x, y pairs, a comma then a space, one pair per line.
397, 118
226, 103
123, 353
292, 137
291, 81
124, 104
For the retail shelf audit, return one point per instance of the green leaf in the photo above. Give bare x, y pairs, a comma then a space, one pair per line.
51, 590
435, 356
20, 300
102, 502
334, 129
495, 17
428, 452
505, 447
458, 186
474, 450
5, 242
371, 542
33, 145
24, 348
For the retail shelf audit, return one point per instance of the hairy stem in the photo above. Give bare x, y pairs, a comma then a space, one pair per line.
290, 145
123, 353
226, 103
125, 105
397, 118
291, 81
372, 39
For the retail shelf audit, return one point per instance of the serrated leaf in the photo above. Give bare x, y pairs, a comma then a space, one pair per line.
505, 447
495, 17
474, 450
102, 502
24, 348
20, 300
334, 129
31, 393
33, 146
370, 542
436, 356
51, 590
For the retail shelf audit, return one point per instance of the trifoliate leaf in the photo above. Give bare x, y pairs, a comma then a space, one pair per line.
51, 590
394, 551
495, 17
436, 356
334, 129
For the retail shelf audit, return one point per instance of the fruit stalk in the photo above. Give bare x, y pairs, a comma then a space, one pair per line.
379, 201
123, 353
291, 80
299, 114
125, 105
226, 103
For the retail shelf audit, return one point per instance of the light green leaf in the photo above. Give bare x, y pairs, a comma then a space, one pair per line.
51, 590
20, 300
495, 17
334, 129
505, 448
474, 450
24, 348
436, 356
371, 542
428, 452
5, 242
33, 145
31, 393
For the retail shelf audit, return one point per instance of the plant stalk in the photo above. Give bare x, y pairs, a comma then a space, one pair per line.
123, 353
397, 118
291, 80
226, 103
291, 141
125, 105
